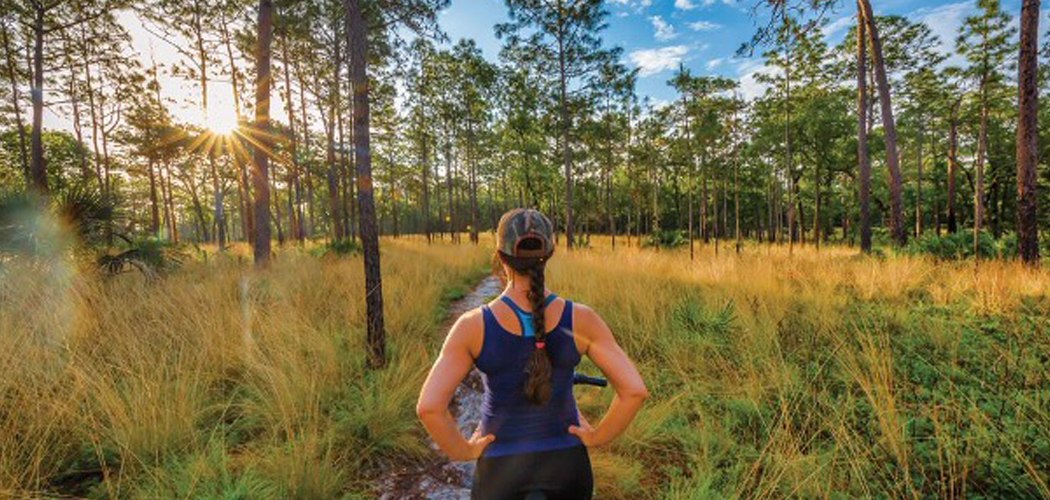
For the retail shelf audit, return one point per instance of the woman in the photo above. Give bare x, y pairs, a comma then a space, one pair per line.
526, 344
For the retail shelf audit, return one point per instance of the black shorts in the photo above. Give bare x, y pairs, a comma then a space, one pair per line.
562, 474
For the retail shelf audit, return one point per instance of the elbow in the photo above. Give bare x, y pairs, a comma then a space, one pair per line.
427, 411
639, 394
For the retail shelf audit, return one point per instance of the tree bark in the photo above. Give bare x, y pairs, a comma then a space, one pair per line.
863, 157
563, 104
900, 236
16, 104
38, 167
1028, 135
358, 44
261, 172
953, 166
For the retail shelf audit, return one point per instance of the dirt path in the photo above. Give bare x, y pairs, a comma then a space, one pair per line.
440, 479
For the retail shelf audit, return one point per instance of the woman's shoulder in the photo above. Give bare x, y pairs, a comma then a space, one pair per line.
468, 330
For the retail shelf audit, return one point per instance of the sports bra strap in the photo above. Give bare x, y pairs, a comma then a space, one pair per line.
525, 318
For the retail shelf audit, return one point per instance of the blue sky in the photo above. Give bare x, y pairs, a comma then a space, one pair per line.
704, 35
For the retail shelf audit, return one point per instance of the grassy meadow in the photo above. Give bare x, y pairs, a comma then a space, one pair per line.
217, 383
820, 375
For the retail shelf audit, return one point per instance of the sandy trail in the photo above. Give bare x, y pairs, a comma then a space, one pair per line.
441, 479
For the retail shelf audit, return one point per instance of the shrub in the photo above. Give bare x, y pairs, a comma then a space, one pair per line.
667, 239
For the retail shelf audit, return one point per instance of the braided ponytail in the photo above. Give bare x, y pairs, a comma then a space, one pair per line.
538, 369
538, 383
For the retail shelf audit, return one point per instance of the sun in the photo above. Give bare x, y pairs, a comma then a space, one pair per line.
222, 123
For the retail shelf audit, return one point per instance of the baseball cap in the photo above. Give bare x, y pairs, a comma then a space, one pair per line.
524, 232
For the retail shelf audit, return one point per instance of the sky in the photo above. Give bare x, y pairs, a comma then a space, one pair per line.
656, 37
703, 35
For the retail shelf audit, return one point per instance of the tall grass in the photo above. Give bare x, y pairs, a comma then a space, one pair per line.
216, 382
822, 374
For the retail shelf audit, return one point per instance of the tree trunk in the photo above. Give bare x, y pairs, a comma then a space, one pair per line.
900, 236
154, 226
295, 214
563, 104
423, 160
261, 172
863, 157
334, 206
1028, 135
953, 166
358, 44
978, 192
38, 170
248, 212
16, 104
918, 191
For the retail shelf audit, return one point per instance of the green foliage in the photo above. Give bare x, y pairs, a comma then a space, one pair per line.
960, 245
211, 474
337, 249
151, 256
670, 238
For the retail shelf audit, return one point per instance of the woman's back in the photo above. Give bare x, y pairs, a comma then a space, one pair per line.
520, 426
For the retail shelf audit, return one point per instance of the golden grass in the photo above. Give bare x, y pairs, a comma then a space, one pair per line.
143, 387
775, 373
800, 373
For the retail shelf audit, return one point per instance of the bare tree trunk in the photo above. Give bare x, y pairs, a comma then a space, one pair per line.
918, 191
38, 168
423, 160
472, 166
16, 104
334, 206
900, 236
308, 177
863, 157
978, 192
953, 166
261, 172
248, 212
1028, 135
154, 226
357, 41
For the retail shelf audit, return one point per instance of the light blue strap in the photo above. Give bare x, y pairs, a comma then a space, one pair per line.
525, 318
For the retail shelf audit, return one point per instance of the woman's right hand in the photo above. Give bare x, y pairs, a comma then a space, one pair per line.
476, 446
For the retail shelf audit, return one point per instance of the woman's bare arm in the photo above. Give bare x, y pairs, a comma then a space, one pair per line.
601, 347
452, 366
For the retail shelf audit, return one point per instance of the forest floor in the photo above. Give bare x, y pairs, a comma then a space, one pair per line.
441, 479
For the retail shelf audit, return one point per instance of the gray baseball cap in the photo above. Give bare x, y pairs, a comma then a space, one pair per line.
524, 232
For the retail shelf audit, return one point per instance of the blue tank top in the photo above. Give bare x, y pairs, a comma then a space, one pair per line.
519, 426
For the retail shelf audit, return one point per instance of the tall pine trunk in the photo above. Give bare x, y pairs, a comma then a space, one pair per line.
358, 45
16, 105
261, 172
38, 168
900, 236
863, 156
1028, 135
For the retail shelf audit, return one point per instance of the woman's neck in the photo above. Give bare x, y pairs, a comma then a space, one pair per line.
518, 291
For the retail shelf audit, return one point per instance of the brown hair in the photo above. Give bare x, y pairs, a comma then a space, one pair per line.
538, 369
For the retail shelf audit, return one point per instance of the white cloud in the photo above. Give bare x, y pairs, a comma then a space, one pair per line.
715, 63
945, 22
747, 73
635, 5
653, 61
684, 4
664, 31
837, 25
704, 26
